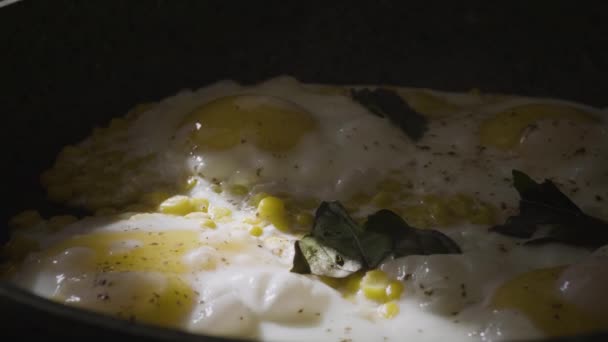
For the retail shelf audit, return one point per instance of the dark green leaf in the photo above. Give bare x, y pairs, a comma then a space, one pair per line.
338, 247
544, 205
408, 240
314, 257
387, 104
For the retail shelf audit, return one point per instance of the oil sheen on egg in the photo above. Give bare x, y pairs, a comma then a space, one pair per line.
196, 200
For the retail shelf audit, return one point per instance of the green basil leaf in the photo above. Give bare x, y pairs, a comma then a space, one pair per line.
337, 246
387, 104
544, 205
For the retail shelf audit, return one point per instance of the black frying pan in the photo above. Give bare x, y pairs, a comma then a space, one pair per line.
68, 65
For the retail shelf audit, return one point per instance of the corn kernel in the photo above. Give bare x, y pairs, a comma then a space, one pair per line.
252, 220
197, 215
25, 219
304, 219
218, 213
382, 199
58, 222
394, 290
176, 205
238, 190
208, 223
199, 204
353, 284
256, 231
190, 183
374, 285
273, 210
153, 198
389, 310
429, 104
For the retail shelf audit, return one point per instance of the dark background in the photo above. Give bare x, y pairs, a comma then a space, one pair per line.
67, 65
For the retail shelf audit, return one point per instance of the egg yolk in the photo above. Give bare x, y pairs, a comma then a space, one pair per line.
533, 294
505, 129
429, 104
270, 123
136, 251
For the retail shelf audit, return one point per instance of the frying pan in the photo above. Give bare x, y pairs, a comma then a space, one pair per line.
67, 65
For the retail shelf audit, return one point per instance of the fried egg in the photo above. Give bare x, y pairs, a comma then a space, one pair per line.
196, 201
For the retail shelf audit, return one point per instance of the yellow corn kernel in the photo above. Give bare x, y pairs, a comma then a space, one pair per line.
304, 219
176, 205
59, 193
208, 223
353, 284
218, 213
238, 190
60, 221
197, 215
460, 205
382, 199
25, 219
430, 104
504, 130
252, 220
272, 209
199, 204
332, 282
190, 183
257, 198
154, 198
389, 310
394, 289
256, 231
216, 188
374, 285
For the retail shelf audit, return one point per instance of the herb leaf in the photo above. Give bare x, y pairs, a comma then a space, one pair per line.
407, 240
387, 104
338, 247
544, 205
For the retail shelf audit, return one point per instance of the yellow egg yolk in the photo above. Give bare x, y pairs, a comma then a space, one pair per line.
533, 294
270, 123
505, 129
136, 251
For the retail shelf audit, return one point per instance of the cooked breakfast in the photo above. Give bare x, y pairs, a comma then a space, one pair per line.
285, 211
